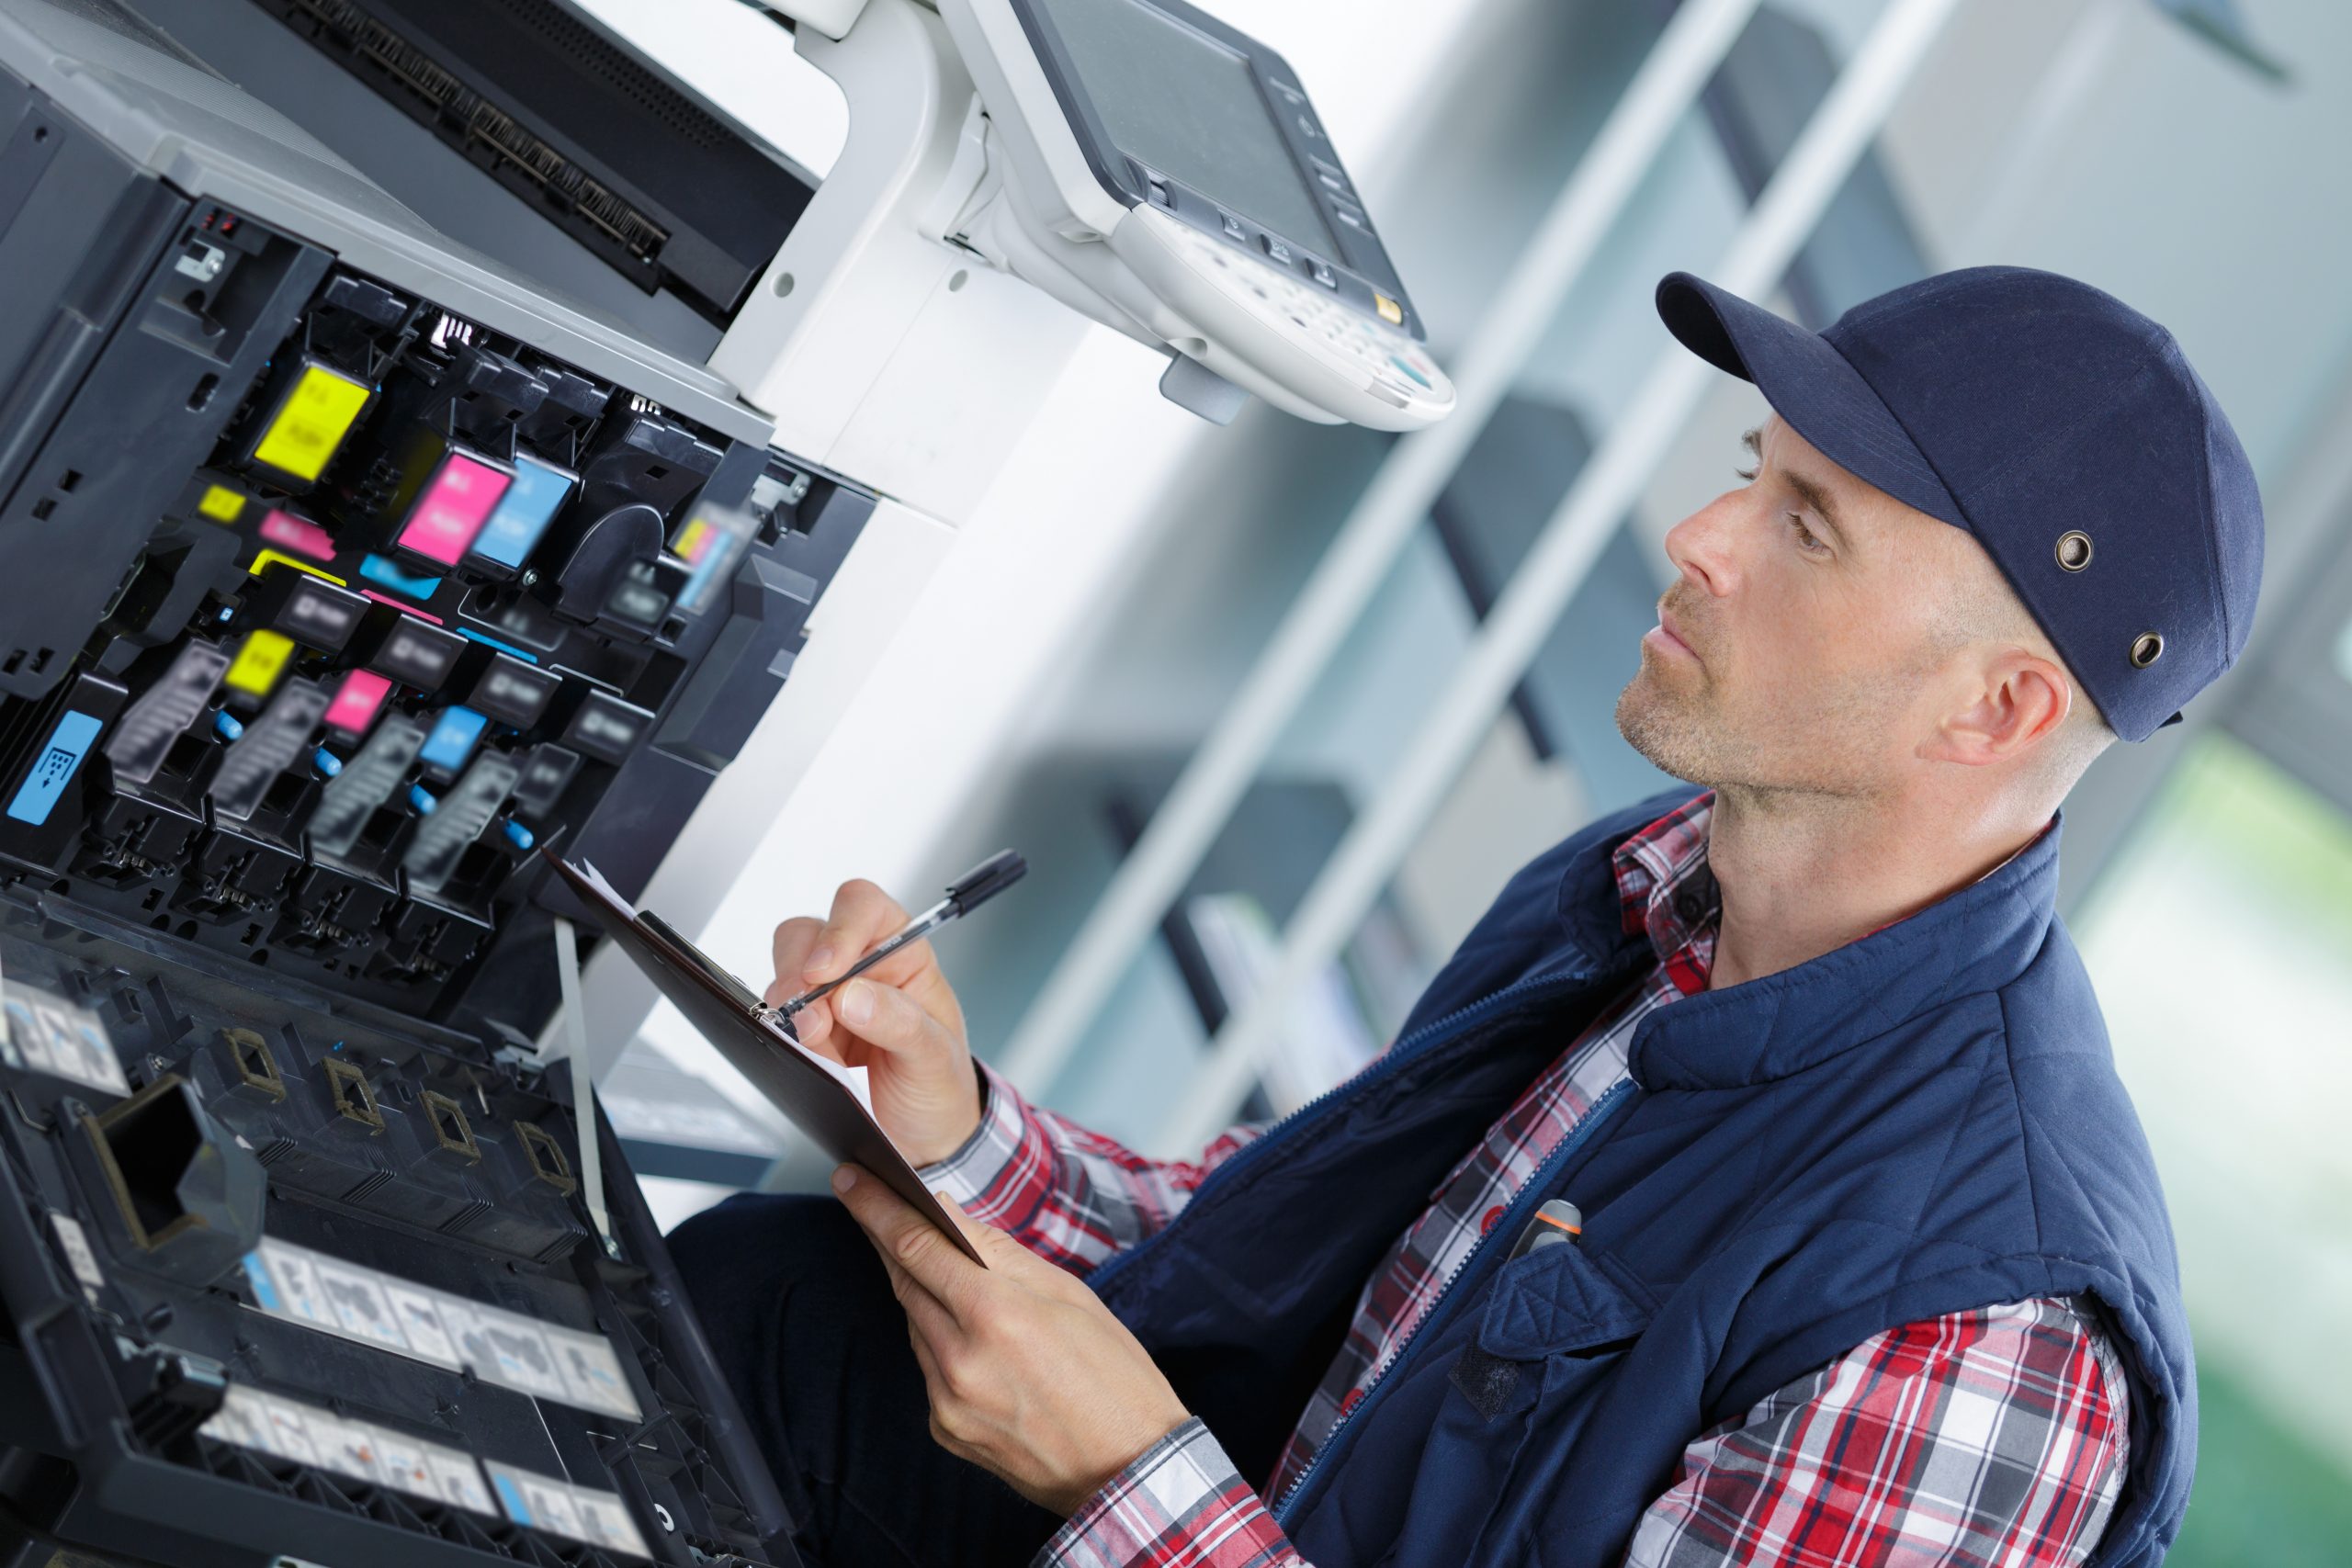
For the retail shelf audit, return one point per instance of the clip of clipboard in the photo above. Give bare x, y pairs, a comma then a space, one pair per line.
756, 1043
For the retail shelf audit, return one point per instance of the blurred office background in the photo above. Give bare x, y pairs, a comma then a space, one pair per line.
1246, 647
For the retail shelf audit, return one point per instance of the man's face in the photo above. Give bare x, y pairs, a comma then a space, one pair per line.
1801, 645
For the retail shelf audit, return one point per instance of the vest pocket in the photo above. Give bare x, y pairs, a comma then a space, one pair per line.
1550, 1335
1489, 1417
1557, 1300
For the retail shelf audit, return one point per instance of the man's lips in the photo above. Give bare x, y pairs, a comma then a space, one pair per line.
1662, 637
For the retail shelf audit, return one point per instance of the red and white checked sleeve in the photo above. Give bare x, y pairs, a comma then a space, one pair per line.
1070, 1196
1992, 1439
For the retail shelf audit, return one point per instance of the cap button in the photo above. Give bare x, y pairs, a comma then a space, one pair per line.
2147, 648
2073, 550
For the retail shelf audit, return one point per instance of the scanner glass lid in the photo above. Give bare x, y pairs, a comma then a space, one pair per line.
1184, 104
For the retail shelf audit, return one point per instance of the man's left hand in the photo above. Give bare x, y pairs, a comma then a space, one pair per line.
1030, 1376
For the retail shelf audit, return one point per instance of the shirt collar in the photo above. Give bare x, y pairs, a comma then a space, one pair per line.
1666, 893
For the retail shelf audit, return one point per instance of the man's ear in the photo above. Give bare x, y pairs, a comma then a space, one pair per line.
2020, 701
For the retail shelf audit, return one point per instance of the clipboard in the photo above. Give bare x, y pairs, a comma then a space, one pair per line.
730, 1015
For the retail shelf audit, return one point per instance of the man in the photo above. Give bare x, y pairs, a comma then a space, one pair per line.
1873, 1267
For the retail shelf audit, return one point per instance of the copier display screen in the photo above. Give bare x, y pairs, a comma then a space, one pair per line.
1178, 101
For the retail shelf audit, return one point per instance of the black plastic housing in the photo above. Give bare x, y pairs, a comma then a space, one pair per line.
322, 1042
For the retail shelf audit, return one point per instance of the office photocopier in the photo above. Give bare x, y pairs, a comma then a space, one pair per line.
356, 544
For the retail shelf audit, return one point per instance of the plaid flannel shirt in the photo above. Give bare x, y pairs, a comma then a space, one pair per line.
1983, 1437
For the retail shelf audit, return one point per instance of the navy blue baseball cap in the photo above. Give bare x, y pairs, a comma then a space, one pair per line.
2058, 425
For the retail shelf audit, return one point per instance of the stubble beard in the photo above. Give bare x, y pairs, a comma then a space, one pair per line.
1672, 728
1677, 720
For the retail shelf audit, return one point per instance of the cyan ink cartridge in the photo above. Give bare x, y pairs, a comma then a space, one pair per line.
520, 519
451, 741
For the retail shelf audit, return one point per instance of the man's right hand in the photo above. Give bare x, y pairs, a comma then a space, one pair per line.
899, 1020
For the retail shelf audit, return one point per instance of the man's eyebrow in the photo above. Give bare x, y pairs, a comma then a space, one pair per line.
1754, 441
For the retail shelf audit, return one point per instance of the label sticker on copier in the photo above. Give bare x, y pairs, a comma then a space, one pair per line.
298, 1286
545, 1360
420, 1320
265, 1289
523, 1357
604, 1521
400, 1464
458, 1481
347, 1447
285, 1430
252, 1419
559, 1507
360, 1305
235, 1422
592, 1372
61, 1040
61, 757
74, 1242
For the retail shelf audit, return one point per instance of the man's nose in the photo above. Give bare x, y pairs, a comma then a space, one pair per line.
1703, 547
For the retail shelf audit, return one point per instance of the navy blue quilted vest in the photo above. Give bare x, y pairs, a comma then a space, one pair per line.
1922, 1122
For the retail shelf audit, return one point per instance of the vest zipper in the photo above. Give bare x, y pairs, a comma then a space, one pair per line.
1429, 1036
1417, 1334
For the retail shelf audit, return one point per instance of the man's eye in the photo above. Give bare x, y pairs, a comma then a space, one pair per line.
1747, 475
1805, 539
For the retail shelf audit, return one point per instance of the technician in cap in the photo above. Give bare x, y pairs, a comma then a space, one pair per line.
1874, 1265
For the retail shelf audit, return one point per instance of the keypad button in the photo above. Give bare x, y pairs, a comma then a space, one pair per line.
1233, 226
1277, 252
1350, 216
1322, 273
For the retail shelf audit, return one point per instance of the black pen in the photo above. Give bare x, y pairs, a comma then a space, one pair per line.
967, 892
